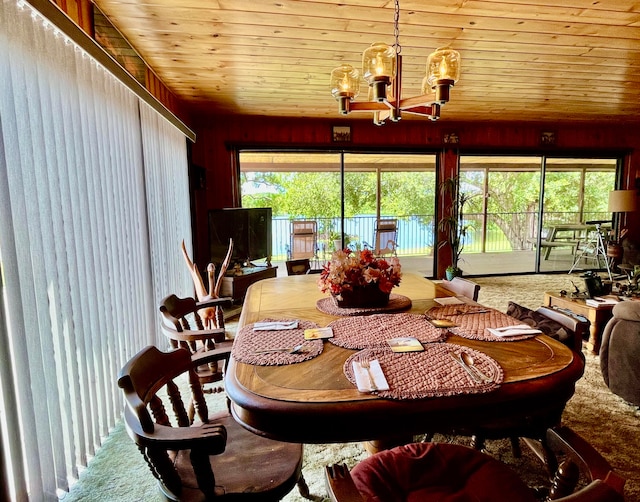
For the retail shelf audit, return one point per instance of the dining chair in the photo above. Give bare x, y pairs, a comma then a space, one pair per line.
462, 287
182, 324
298, 267
206, 457
448, 472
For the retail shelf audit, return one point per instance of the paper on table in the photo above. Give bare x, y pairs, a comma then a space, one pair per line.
362, 376
448, 300
518, 329
274, 325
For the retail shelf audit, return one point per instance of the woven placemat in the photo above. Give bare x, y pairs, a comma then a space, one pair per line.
473, 326
432, 373
247, 343
360, 332
396, 304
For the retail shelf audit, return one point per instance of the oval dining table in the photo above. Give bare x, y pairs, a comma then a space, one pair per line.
314, 402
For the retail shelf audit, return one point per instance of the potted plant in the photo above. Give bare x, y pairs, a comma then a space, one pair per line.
359, 278
453, 224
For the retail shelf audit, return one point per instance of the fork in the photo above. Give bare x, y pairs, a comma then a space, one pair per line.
367, 366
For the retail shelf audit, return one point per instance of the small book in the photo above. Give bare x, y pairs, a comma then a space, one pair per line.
448, 300
318, 333
442, 323
405, 344
599, 301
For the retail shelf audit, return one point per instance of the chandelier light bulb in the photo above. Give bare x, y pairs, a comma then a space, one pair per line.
443, 70
345, 86
379, 68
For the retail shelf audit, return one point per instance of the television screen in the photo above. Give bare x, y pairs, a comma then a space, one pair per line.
250, 229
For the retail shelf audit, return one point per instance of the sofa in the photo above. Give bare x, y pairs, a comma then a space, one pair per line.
620, 352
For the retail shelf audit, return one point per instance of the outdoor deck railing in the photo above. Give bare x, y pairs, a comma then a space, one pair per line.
416, 233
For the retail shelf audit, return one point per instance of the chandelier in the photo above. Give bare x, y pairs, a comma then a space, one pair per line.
382, 70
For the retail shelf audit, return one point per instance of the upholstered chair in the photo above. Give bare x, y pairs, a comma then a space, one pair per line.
620, 352
450, 473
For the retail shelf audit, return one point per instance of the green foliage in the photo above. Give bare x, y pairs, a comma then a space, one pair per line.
454, 224
511, 201
317, 194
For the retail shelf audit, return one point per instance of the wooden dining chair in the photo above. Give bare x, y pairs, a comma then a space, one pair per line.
462, 287
210, 457
298, 267
183, 326
443, 471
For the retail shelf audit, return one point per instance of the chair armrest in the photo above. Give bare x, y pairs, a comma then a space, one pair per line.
594, 465
340, 485
220, 353
188, 335
210, 438
214, 302
596, 491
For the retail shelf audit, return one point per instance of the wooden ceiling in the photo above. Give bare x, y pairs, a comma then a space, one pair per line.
533, 60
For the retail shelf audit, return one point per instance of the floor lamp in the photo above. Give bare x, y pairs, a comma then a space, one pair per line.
621, 201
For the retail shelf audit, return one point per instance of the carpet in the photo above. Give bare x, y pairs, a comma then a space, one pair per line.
118, 472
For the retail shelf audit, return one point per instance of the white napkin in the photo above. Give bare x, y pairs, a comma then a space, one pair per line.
275, 325
362, 376
518, 329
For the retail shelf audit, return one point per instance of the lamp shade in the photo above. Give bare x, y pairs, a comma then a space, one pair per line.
623, 201
443, 65
345, 82
379, 63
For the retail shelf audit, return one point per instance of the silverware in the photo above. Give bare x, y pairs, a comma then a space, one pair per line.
456, 357
462, 312
367, 366
468, 360
275, 326
290, 350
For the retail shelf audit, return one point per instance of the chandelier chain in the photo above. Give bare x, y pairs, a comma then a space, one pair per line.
396, 27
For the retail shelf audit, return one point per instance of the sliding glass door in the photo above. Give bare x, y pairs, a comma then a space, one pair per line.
531, 213
574, 206
346, 194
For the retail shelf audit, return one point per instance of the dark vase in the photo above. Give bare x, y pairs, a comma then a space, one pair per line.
368, 296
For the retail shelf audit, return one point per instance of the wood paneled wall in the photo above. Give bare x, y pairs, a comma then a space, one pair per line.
81, 13
218, 136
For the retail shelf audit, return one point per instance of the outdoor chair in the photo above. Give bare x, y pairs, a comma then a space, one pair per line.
386, 237
449, 472
304, 239
206, 458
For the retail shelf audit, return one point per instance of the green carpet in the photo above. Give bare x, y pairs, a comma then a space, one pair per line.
118, 472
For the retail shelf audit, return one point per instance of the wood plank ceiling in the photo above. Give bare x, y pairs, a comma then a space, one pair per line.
533, 60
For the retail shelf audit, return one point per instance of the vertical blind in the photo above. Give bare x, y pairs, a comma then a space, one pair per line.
94, 204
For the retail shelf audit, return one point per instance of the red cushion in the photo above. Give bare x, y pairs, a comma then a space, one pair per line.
421, 472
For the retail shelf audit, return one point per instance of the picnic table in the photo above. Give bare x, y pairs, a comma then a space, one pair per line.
565, 235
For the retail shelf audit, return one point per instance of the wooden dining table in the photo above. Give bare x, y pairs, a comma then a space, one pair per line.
314, 402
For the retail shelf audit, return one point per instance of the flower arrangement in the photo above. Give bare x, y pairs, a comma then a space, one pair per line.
349, 270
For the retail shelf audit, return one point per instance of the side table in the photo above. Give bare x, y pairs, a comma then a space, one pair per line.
598, 316
236, 286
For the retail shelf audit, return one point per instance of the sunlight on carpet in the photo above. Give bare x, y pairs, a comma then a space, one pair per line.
118, 472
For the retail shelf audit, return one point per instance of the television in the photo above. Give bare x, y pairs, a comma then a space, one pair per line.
250, 229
